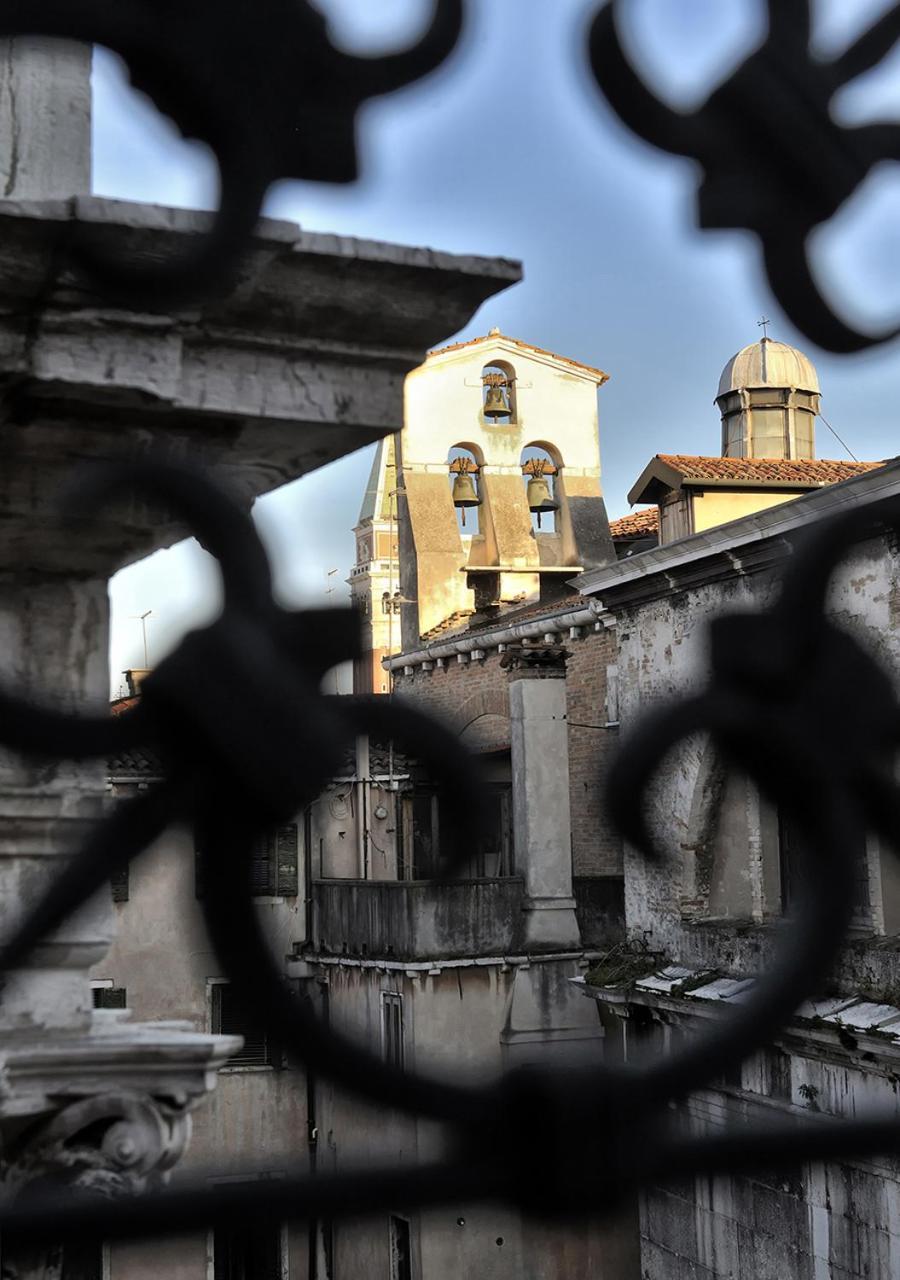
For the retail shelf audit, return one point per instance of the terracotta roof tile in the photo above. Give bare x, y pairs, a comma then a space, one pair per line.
453, 622
806, 471
526, 346
640, 524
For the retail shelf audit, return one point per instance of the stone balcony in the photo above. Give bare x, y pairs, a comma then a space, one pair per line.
427, 919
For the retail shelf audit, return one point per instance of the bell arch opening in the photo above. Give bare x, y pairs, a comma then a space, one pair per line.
498, 394
541, 466
464, 469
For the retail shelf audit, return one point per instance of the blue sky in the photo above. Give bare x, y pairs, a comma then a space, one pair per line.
510, 150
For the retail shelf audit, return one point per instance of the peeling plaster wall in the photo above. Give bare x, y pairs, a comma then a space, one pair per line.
486, 1013
255, 1114
842, 1220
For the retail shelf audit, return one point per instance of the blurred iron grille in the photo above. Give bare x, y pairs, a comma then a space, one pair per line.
263, 86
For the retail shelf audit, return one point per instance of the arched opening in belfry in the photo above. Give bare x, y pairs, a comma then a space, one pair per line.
540, 473
464, 468
498, 394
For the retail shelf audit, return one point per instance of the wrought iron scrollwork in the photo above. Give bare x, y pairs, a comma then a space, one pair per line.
774, 159
259, 81
239, 765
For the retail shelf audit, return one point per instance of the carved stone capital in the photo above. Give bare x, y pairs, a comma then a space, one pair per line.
111, 1144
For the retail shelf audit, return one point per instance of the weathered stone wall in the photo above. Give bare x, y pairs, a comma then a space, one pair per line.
832, 1221
464, 1022
463, 694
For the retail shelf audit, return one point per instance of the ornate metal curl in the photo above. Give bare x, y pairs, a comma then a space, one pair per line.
604, 1131
774, 160
259, 81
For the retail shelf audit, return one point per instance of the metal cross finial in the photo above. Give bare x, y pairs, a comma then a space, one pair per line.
763, 324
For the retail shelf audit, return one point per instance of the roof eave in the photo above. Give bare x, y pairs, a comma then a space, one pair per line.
655, 480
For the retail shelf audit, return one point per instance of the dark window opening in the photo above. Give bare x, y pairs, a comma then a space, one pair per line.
274, 865
426, 836
247, 1253
392, 1028
82, 1261
110, 998
401, 1252
793, 868
120, 885
493, 855
230, 1015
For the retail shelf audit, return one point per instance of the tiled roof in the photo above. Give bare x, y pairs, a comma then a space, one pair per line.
453, 622
122, 704
495, 335
537, 608
806, 471
640, 524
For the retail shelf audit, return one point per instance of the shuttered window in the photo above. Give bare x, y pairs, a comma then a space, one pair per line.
230, 1015
274, 868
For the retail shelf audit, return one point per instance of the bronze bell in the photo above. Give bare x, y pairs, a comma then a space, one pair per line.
464, 493
496, 404
540, 499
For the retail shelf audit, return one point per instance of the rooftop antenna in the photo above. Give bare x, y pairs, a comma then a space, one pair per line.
142, 619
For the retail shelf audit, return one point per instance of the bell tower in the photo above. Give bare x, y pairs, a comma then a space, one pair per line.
374, 579
500, 503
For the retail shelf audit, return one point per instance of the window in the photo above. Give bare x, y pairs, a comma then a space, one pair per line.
425, 836
274, 863
106, 996
231, 1016
120, 885
420, 844
392, 1028
493, 855
85, 1261
401, 1255
243, 1252
790, 865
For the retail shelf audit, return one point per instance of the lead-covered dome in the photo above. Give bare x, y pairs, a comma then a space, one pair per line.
769, 364
769, 398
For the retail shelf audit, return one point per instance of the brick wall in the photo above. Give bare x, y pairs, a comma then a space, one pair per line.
458, 694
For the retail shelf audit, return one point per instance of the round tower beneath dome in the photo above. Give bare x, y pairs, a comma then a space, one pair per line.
768, 398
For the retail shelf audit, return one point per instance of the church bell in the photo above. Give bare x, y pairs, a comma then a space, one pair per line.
464, 493
496, 404
540, 499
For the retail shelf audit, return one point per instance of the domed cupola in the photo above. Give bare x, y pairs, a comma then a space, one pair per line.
768, 398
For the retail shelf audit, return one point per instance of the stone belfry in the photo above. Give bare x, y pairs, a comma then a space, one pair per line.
500, 501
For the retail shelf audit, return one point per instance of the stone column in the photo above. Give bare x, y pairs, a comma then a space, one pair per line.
540, 773
54, 644
45, 119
